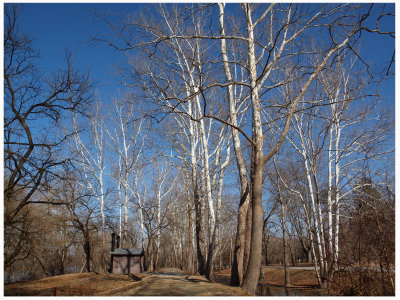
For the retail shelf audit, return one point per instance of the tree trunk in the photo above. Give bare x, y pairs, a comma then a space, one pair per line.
238, 255
337, 204
315, 216
150, 255
199, 230
253, 269
120, 209
206, 178
247, 238
285, 249
257, 166
329, 198
125, 228
209, 266
86, 249
284, 207
189, 265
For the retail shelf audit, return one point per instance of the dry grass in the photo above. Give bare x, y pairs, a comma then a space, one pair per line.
104, 284
276, 276
298, 278
85, 284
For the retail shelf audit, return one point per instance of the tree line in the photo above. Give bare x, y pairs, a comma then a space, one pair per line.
242, 128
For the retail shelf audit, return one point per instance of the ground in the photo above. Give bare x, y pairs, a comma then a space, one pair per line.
167, 282
301, 276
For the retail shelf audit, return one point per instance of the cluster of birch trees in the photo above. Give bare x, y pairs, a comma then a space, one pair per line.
270, 73
234, 115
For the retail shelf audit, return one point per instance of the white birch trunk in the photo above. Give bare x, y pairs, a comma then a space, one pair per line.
337, 196
329, 198
124, 234
141, 217
120, 208
315, 215
237, 262
103, 219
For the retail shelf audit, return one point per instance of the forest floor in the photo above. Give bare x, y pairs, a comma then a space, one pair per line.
301, 276
167, 282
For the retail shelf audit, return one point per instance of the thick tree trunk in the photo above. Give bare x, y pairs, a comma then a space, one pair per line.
306, 250
253, 270
209, 266
156, 257
150, 257
257, 165
86, 249
237, 271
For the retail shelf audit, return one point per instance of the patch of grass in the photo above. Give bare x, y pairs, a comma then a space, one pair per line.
276, 275
298, 277
84, 284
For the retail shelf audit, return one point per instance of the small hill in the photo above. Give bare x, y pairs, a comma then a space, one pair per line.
82, 284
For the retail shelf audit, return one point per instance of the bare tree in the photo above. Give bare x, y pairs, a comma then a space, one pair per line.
277, 43
32, 101
82, 214
179, 70
284, 202
162, 186
239, 265
127, 137
92, 159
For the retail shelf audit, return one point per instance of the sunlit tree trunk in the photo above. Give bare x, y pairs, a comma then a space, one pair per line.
257, 165
329, 197
238, 263
337, 196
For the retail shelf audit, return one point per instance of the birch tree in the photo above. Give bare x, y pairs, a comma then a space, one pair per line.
277, 43
127, 135
233, 97
162, 186
318, 131
92, 159
348, 140
187, 59
271, 38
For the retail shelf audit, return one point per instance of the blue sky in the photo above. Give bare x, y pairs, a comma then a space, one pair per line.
55, 27
58, 26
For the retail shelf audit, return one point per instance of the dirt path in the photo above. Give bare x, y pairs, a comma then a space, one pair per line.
172, 282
